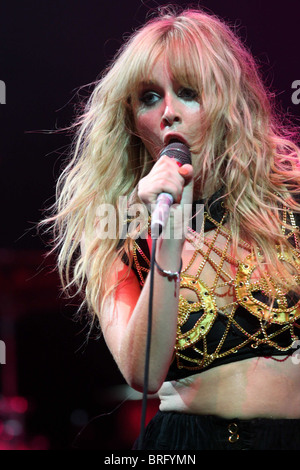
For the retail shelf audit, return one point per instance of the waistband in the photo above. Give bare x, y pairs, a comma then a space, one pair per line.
180, 431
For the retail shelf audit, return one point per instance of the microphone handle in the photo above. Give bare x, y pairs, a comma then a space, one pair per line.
160, 214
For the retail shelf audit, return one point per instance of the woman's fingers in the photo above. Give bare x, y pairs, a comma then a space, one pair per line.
165, 176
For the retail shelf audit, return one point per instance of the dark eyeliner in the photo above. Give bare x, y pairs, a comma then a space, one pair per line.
149, 98
188, 94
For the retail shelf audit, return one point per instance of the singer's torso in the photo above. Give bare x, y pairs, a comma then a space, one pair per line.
254, 387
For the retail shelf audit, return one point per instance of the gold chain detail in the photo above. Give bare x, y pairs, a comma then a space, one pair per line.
191, 348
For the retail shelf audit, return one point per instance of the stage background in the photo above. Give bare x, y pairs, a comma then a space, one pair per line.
54, 384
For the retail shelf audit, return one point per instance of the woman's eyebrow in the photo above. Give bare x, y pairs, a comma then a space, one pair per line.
147, 82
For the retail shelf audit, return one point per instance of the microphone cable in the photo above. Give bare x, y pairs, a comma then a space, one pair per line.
148, 344
181, 154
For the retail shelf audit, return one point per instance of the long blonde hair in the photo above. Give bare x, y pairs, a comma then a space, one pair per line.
242, 145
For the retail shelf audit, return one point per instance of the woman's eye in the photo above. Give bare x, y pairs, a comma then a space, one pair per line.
149, 98
187, 94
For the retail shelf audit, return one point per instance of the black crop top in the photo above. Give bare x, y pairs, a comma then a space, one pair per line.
206, 337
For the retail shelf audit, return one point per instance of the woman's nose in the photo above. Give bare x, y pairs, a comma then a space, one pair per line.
171, 113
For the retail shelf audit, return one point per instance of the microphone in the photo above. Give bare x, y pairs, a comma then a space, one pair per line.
182, 155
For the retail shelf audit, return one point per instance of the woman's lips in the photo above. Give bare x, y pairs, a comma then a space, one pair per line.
172, 138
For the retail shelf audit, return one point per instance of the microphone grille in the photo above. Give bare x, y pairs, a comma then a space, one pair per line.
179, 151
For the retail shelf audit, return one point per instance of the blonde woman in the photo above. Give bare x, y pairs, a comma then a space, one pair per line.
226, 313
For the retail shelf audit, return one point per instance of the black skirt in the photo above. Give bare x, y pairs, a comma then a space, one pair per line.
180, 431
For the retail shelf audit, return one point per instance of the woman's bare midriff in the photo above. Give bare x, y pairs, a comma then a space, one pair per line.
251, 388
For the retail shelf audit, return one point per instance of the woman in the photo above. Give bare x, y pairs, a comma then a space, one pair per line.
223, 338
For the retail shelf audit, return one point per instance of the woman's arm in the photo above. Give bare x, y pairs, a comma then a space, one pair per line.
124, 319
124, 323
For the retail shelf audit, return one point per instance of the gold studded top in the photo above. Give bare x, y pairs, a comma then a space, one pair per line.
231, 319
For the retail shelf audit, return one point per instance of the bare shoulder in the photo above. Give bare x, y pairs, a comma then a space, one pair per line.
119, 306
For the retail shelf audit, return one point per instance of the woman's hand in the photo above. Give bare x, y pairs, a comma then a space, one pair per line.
167, 176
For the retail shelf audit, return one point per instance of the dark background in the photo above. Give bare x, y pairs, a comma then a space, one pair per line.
54, 383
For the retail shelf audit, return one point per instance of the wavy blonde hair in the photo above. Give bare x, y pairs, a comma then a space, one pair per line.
242, 145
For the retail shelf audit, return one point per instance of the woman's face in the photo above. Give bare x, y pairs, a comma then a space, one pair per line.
165, 111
